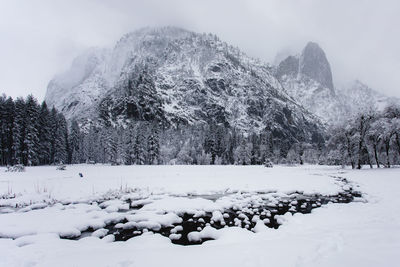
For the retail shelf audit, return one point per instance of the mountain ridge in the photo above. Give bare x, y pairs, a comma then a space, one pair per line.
177, 76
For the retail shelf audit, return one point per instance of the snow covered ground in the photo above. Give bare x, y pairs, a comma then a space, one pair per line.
42, 204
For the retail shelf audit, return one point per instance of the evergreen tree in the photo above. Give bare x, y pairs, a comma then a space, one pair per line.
111, 146
139, 155
53, 134
44, 132
31, 141
243, 152
3, 143
183, 156
153, 147
19, 131
7, 114
129, 141
60, 140
75, 143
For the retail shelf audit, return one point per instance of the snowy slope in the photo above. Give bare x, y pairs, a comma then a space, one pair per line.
173, 75
357, 96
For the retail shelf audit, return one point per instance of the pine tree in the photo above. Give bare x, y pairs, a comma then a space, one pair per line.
19, 131
242, 153
255, 150
61, 139
138, 147
9, 122
111, 146
129, 142
53, 134
210, 145
44, 132
7, 114
3, 143
183, 156
153, 147
31, 141
75, 143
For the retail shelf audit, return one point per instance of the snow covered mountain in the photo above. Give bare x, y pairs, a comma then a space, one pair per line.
308, 79
357, 96
174, 76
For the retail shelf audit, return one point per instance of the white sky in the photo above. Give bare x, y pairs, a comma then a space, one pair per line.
39, 38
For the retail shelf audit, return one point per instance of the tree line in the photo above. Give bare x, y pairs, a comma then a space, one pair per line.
147, 143
370, 137
33, 134
30, 133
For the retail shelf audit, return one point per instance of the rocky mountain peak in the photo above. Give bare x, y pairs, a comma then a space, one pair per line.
314, 64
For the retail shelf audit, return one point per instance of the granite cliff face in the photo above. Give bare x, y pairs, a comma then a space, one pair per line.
307, 78
314, 64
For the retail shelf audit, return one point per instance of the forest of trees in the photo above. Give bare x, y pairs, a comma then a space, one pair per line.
370, 137
33, 134
147, 143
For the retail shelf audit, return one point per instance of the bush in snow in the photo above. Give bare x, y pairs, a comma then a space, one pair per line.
268, 163
62, 167
16, 168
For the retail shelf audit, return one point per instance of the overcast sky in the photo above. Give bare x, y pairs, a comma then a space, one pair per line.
361, 38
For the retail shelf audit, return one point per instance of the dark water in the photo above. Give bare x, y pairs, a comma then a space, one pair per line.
267, 211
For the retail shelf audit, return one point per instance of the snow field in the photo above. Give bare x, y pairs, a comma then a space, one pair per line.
47, 184
358, 233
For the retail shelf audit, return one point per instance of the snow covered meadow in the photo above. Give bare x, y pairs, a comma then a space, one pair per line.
199, 216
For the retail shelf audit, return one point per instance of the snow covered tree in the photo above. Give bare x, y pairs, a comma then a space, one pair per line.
243, 153
342, 145
27, 131
90, 145
44, 132
266, 147
374, 138
129, 138
31, 140
60, 140
183, 156
7, 114
139, 147
203, 158
392, 113
255, 157
111, 146
75, 137
19, 131
153, 146
387, 135
363, 123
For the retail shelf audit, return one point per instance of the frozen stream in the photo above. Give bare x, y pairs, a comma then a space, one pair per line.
196, 228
